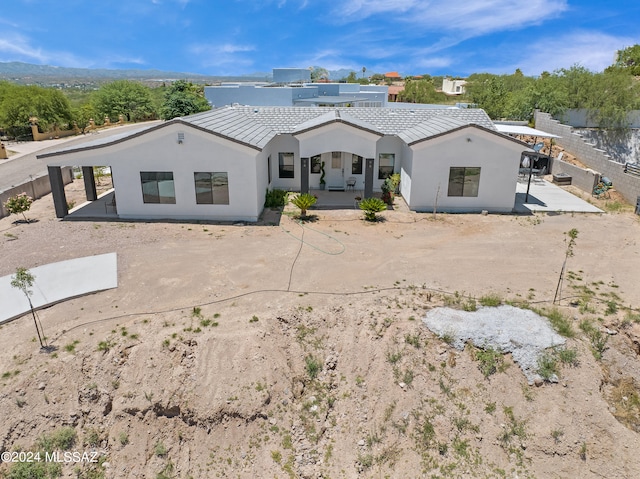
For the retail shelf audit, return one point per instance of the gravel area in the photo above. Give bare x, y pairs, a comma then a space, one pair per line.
521, 332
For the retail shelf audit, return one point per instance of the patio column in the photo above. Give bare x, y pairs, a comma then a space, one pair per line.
89, 183
368, 178
304, 175
57, 189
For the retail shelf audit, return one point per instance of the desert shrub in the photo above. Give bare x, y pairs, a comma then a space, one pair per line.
490, 300
61, 439
304, 201
371, 206
275, 198
19, 204
490, 361
313, 366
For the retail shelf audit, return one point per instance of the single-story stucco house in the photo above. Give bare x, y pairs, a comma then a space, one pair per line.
218, 165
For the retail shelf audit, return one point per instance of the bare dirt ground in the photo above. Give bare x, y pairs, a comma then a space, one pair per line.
239, 351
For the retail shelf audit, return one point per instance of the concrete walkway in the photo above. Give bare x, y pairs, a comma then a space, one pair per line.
547, 197
57, 282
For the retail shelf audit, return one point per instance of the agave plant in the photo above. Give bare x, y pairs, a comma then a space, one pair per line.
304, 201
371, 206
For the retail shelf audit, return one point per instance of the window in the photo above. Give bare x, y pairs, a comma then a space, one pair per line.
157, 187
269, 168
286, 165
316, 164
356, 165
464, 181
211, 188
385, 165
336, 159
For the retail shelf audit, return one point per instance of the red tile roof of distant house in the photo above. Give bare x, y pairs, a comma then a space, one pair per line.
395, 89
392, 75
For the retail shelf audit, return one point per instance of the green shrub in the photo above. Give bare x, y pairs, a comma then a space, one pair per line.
275, 198
19, 204
313, 366
304, 201
547, 366
490, 361
61, 439
371, 206
490, 300
560, 322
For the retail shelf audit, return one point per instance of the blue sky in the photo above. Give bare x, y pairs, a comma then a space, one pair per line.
232, 37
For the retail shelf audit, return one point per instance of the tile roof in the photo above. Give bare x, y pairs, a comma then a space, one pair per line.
256, 126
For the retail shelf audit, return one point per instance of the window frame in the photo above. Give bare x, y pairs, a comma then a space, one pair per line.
383, 174
216, 191
156, 177
356, 164
469, 187
286, 173
315, 166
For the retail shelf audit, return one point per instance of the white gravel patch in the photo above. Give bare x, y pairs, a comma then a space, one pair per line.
520, 332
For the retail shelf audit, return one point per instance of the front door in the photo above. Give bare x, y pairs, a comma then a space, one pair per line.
335, 175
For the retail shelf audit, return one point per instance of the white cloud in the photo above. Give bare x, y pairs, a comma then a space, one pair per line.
226, 55
592, 50
468, 18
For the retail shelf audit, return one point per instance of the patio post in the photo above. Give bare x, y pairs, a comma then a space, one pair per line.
368, 178
304, 175
57, 189
89, 183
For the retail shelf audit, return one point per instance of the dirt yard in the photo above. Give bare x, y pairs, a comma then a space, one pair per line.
288, 350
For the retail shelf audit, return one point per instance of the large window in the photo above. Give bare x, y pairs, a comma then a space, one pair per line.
211, 188
464, 181
385, 165
356, 165
157, 187
285, 161
316, 164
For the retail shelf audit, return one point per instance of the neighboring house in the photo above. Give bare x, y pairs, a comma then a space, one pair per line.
291, 75
453, 87
218, 165
305, 94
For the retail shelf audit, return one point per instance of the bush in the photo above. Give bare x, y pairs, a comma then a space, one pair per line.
304, 201
19, 204
275, 198
371, 206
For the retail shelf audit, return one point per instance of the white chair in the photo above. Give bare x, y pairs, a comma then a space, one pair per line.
351, 183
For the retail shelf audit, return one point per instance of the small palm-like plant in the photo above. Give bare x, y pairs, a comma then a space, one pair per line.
304, 201
371, 206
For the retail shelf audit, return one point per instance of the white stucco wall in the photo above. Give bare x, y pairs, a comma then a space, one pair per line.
498, 159
387, 144
284, 144
159, 150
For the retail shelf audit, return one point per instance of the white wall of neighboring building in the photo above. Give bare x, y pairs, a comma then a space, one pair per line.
453, 87
498, 159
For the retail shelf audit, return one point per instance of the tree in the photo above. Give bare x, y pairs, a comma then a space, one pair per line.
23, 280
19, 204
627, 60
420, 91
318, 73
351, 78
18, 103
124, 97
183, 98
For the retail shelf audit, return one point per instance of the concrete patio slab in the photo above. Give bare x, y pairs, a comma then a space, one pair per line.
547, 197
55, 282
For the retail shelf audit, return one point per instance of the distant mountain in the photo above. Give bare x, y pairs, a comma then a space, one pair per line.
24, 71
48, 74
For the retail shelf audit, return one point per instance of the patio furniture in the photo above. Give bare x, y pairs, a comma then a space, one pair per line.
351, 183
